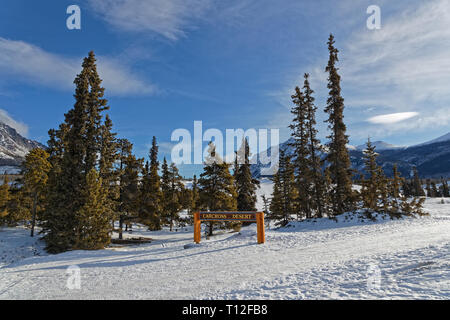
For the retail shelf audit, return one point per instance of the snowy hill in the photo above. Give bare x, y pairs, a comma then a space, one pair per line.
322, 259
13, 148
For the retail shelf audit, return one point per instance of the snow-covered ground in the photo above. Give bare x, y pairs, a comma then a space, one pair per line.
401, 259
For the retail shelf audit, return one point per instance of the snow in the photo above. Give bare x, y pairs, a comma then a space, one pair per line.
348, 259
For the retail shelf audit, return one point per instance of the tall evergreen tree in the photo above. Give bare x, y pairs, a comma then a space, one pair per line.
338, 157
316, 178
75, 150
301, 151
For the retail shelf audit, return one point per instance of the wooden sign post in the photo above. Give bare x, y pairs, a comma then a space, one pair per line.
257, 217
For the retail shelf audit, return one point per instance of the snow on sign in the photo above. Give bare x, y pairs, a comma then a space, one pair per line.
257, 217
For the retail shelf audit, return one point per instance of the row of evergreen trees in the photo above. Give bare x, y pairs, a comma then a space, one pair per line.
88, 179
310, 185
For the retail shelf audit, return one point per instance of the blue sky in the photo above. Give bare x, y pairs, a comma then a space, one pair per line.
231, 64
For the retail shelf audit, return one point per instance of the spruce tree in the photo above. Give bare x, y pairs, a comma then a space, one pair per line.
245, 184
285, 194
76, 149
301, 152
370, 190
395, 190
338, 157
216, 185
195, 195
417, 185
109, 155
445, 189
428, 188
174, 201
435, 191
151, 194
35, 176
130, 168
93, 227
172, 191
316, 178
5, 197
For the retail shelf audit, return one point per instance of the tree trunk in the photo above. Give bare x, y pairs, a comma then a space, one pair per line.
33, 221
120, 227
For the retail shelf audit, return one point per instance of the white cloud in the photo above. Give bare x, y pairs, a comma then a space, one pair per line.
20, 127
169, 18
30, 63
402, 68
392, 118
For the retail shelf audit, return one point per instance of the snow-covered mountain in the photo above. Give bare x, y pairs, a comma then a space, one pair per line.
14, 147
432, 159
444, 138
380, 145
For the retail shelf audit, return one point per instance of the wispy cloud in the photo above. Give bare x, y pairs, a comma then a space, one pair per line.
401, 69
168, 18
20, 127
31, 64
392, 118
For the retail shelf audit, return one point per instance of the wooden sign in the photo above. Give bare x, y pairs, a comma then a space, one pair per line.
245, 216
228, 216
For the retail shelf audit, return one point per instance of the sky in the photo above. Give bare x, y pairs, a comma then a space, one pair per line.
230, 64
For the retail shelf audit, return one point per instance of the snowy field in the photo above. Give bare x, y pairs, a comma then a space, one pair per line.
402, 259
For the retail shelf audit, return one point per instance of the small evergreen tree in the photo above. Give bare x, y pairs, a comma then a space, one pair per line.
284, 197
445, 189
35, 176
5, 197
417, 185
245, 184
216, 185
151, 194
93, 225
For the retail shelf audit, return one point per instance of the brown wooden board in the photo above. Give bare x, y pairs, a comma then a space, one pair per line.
228, 216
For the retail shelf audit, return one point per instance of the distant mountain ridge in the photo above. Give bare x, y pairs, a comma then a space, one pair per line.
14, 147
432, 158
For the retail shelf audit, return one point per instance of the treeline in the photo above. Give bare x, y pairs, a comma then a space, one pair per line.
88, 180
309, 186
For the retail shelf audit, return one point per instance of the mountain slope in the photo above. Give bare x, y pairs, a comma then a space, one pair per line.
444, 138
432, 159
14, 147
